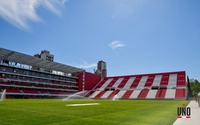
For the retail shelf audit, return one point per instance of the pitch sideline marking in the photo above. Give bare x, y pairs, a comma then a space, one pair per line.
86, 104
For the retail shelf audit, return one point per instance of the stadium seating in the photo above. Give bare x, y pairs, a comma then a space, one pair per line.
56, 92
13, 90
30, 91
23, 83
171, 85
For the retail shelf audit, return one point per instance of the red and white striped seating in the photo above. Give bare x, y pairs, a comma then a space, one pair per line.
171, 85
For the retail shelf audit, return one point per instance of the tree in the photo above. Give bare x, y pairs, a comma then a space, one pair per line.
195, 87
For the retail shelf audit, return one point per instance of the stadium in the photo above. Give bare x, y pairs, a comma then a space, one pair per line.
43, 81
25, 76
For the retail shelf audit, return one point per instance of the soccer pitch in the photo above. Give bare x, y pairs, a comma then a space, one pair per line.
88, 112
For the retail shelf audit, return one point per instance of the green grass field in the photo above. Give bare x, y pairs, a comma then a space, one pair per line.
55, 112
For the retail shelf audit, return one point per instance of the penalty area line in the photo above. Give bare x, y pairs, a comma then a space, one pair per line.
86, 104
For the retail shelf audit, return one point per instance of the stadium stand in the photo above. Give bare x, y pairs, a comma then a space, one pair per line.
21, 76
21, 81
169, 85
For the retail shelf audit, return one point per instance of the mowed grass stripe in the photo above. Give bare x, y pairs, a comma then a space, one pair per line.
122, 112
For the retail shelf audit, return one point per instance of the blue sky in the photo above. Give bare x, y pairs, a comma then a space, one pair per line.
132, 36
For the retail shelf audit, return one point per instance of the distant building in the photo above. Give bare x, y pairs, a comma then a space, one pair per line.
46, 56
101, 69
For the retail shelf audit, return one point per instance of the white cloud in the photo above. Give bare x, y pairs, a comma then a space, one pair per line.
19, 12
86, 65
116, 44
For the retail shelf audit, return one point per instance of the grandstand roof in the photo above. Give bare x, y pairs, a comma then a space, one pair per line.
35, 61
